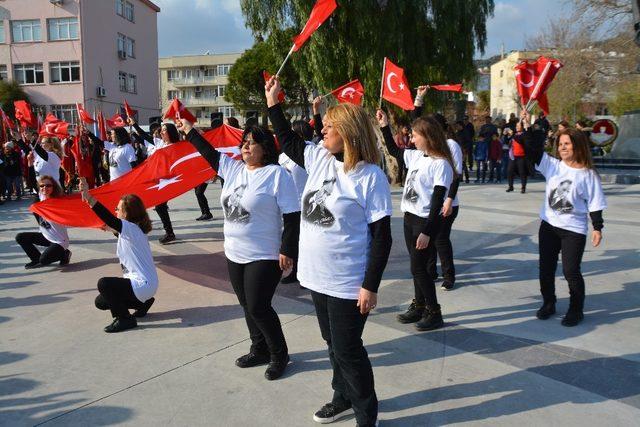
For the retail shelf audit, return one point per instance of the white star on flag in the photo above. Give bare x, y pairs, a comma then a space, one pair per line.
165, 182
401, 86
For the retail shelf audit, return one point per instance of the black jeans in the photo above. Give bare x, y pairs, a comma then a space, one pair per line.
341, 325
554, 240
481, 170
53, 252
519, 164
496, 167
425, 288
202, 199
254, 284
163, 212
444, 250
116, 294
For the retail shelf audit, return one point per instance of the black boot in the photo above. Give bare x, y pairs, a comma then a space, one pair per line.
253, 358
121, 324
547, 310
431, 319
142, 311
277, 365
168, 237
413, 313
572, 318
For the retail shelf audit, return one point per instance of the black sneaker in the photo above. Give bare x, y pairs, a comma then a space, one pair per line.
413, 313
121, 324
547, 310
169, 237
206, 217
142, 311
32, 265
446, 285
432, 319
276, 368
252, 359
66, 258
200, 218
332, 412
509, 190
572, 318
524, 190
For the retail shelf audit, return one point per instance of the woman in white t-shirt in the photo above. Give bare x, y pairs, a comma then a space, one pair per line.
121, 154
47, 157
345, 239
573, 194
140, 282
261, 227
430, 175
52, 236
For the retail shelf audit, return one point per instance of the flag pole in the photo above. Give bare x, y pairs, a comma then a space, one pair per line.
285, 60
384, 66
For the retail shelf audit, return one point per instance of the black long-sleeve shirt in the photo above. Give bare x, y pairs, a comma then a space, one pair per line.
107, 217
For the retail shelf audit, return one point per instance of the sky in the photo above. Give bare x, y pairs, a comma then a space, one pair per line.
197, 26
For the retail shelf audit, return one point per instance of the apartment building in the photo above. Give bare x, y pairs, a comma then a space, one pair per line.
199, 81
97, 52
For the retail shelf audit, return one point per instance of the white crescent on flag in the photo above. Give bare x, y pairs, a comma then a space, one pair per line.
392, 74
347, 91
522, 80
184, 159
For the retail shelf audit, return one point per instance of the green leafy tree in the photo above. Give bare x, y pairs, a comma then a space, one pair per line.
11, 91
627, 97
434, 41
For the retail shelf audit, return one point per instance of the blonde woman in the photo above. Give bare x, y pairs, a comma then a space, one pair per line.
345, 239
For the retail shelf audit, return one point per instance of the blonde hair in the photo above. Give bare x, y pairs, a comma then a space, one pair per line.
354, 126
55, 142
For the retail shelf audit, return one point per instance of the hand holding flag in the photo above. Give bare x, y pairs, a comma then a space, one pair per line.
351, 92
272, 91
178, 111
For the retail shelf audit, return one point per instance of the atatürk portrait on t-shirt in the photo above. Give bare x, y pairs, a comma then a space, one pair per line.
410, 194
233, 209
558, 198
314, 209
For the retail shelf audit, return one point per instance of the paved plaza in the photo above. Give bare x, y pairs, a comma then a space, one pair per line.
493, 364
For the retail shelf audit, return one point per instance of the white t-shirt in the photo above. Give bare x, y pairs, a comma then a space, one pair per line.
298, 174
337, 208
570, 195
456, 153
49, 167
120, 158
52, 231
158, 144
253, 202
424, 173
135, 256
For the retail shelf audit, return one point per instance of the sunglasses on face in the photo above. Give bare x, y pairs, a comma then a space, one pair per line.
46, 185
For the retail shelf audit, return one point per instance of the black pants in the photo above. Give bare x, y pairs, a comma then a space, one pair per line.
494, 166
163, 212
254, 284
116, 294
53, 252
444, 250
425, 288
518, 164
341, 325
481, 170
202, 199
554, 240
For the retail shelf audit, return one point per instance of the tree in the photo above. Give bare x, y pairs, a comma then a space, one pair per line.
11, 91
434, 41
627, 97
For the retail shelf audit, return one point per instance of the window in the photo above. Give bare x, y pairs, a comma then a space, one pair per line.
210, 72
26, 31
28, 74
130, 46
188, 73
173, 75
64, 72
122, 81
120, 7
501, 73
172, 94
227, 111
3, 72
1, 31
223, 69
63, 29
122, 41
220, 90
132, 86
66, 112
501, 93
128, 11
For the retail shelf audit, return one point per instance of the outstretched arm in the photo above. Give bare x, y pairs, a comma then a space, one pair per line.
394, 150
103, 213
205, 149
292, 144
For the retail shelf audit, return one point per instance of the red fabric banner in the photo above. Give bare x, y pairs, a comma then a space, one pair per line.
116, 121
395, 87
320, 12
448, 88
24, 115
53, 126
534, 78
129, 111
84, 116
177, 110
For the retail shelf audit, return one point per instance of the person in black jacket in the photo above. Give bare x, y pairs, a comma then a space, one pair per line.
12, 164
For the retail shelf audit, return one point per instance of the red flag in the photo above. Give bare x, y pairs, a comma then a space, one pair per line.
6, 120
82, 157
83, 115
177, 110
226, 139
116, 121
24, 114
166, 174
53, 126
534, 78
102, 127
320, 12
395, 87
129, 111
266, 76
448, 88
351, 92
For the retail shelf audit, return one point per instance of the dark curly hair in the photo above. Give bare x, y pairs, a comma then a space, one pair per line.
303, 128
121, 136
263, 137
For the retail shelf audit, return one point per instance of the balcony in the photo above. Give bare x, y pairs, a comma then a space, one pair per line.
204, 101
199, 81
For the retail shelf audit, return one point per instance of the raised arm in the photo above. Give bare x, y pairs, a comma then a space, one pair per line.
103, 213
317, 117
291, 143
41, 152
419, 102
532, 141
205, 149
143, 134
390, 143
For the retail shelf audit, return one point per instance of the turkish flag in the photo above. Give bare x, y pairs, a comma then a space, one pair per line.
82, 156
351, 92
448, 88
24, 114
534, 78
83, 115
266, 76
320, 12
178, 111
6, 120
165, 175
395, 87
53, 126
102, 127
130, 112
116, 121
